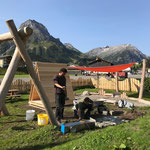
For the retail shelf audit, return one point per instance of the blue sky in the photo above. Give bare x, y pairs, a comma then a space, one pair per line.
86, 24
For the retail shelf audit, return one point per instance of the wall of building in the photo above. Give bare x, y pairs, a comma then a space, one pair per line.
99, 64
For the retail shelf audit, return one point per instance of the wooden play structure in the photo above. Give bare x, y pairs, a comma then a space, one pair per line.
46, 73
20, 38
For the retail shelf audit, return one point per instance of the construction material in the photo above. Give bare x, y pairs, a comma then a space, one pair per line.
42, 119
123, 103
106, 121
77, 126
46, 73
30, 115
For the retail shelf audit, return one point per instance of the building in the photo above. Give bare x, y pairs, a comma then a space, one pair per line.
99, 63
5, 60
74, 71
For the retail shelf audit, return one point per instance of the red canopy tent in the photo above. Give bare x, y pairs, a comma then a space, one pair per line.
116, 68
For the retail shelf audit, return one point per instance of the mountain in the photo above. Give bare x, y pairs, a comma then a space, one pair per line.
42, 46
69, 46
122, 54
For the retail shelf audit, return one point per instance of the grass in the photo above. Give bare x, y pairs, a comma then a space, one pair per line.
17, 134
19, 76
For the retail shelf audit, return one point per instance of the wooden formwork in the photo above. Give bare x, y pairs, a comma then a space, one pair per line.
46, 73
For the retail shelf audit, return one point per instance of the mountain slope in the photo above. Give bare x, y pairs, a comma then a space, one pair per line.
122, 54
42, 46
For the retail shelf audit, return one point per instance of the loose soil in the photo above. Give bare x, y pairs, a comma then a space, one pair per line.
123, 113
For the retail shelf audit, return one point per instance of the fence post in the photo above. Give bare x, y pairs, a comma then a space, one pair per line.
117, 88
142, 79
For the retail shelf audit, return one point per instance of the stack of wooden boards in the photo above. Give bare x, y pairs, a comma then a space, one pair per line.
46, 73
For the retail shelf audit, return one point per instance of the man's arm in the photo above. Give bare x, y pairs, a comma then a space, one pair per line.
59, 86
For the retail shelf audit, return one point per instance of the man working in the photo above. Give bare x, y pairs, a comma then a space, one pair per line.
60, 93
87, 103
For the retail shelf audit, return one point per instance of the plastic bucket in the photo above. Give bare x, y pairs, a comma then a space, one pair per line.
42, 119
30, 115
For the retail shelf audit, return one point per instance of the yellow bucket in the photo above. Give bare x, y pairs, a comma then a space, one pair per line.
42, 119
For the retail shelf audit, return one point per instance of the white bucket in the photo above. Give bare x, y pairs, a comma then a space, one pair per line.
30, 115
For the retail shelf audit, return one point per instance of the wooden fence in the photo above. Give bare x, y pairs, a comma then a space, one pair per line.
21, 85
129, 84
81, 82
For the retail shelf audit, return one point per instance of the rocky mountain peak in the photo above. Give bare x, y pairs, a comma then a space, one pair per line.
40, 32
122, 54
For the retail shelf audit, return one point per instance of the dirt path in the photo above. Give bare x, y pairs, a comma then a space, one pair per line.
113, 100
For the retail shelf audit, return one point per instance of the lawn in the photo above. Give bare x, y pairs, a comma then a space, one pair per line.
17, 134
19, 76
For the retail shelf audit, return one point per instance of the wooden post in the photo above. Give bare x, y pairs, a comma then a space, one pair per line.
9, 75
22, 33
97, 81
21, 47
117, 85
142, 79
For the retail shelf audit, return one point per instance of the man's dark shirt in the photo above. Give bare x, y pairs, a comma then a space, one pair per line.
61, 80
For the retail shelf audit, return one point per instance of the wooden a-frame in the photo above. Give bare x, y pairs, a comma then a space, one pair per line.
46, 73
20, 39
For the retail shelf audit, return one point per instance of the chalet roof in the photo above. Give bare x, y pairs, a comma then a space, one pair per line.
99, 60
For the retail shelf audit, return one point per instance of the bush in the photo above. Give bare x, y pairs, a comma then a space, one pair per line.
147, 84
20, 71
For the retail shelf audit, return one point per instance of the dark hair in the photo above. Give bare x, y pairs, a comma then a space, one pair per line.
86, 99
64, 70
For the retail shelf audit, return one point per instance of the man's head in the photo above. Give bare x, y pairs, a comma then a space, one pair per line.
63, 71
87, 100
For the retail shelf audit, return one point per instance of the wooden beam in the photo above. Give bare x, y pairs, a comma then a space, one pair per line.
9, 75
142, 79
7, 80
22, 33
117, 85
21, 47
